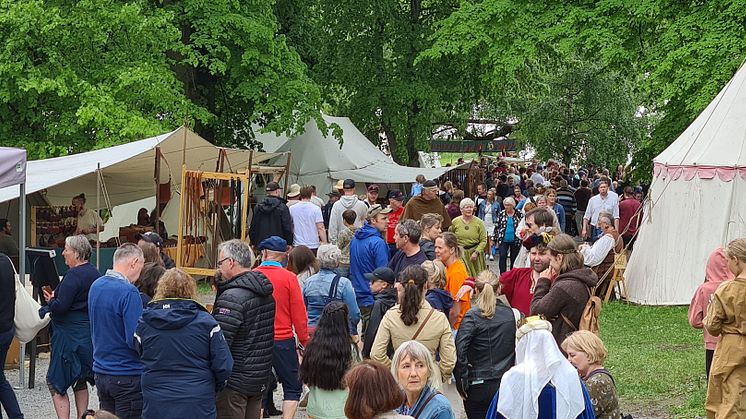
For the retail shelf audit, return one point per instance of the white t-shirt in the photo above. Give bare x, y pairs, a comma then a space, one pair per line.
305, 215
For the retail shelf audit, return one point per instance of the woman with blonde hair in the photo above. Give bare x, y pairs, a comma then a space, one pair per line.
485, 346
185, 355
587, 353
726, 318
430, 224
450, 253
472, 237
436, 294
564, 288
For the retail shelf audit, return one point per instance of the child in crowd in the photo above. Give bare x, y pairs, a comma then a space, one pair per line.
382, 286
343, 241
438, 297
716, 272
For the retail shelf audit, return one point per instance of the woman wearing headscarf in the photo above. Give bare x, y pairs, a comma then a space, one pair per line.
542, 384
472, 237
716, 272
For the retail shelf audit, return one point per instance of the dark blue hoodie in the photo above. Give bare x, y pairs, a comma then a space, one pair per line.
441, 300
368, 251
186, 360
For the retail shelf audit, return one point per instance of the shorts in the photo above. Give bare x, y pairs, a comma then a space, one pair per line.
77, 386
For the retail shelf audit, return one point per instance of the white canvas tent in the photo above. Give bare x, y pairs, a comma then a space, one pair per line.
696, 202
318, 160
127, 169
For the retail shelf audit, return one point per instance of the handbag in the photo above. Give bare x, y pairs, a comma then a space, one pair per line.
26, 319
417, 333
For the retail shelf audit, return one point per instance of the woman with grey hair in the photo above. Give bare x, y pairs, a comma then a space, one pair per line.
327, 286
506, 234
600, 256
414, 370
71, 362
472, 237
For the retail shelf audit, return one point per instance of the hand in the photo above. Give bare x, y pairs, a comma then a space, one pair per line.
583, 246
48, 295
474, 256
585, 233
547, 273
462, 291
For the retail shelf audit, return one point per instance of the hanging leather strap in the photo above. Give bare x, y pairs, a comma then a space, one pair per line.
417, 333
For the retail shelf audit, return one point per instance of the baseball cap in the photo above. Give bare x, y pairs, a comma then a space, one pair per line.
373, 188
381, 274
335, 193
348, 184
274, 243
376, 209
396, 195
294, 190
272, 186
150, 237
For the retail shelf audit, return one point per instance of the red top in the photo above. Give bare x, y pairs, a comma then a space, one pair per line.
290, 311
627, 217
393, 221
516, 286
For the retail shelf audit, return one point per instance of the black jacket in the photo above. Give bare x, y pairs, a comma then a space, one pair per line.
384, 301
245, 311
428, 247
485, 347
271, 218
7, 293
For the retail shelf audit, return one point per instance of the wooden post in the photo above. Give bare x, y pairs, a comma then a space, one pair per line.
98, 206
287, 172
180, 230
245, 207
157, 177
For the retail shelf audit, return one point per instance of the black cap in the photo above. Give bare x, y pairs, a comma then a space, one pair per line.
272, 186
429, 184
396, 195
335, 193
382, 274
348, 184
151, 237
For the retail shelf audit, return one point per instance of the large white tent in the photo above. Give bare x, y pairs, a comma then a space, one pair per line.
697, 201
127, 170
317, 158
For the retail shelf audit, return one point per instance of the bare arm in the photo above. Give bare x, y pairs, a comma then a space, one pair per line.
322, 232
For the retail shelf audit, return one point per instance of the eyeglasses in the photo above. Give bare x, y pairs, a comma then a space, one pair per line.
529, 225
220, 262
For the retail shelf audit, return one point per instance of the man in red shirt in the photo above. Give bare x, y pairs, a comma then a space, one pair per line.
518, 283
630, 216
396, 202
290, 313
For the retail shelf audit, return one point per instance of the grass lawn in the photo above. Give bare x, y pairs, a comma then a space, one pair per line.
657, 360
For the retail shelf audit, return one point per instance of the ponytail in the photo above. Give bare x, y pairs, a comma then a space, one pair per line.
488, 285
413, 279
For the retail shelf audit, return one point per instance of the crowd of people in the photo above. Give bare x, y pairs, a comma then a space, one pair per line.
362, 308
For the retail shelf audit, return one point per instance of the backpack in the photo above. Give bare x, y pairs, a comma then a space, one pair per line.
332, 296
589, 318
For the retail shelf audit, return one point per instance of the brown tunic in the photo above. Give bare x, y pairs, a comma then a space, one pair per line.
417, 207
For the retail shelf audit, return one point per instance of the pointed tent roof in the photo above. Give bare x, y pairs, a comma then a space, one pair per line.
717, 138
127, 169
318, 159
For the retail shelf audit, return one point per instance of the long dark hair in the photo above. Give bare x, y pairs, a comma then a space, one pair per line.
328, 354
413, 278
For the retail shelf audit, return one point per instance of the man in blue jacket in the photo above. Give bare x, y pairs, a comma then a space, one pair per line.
114, 307
368, 251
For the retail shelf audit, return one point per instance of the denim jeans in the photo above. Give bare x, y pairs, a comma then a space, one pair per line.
513, 248
7, 396
120, 394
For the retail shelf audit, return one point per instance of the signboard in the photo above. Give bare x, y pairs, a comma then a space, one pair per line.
473, 146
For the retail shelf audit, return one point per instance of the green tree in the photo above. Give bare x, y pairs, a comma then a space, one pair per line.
93, 73
363, 55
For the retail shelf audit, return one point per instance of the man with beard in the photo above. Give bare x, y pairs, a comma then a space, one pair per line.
518, 283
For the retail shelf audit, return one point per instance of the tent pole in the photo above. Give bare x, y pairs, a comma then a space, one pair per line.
98, 206
157, 177
287, 173
22, 273
246, 198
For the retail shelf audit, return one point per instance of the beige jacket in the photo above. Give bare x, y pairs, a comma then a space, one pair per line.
436, 335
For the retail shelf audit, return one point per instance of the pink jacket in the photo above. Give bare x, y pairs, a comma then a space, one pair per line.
716, 273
